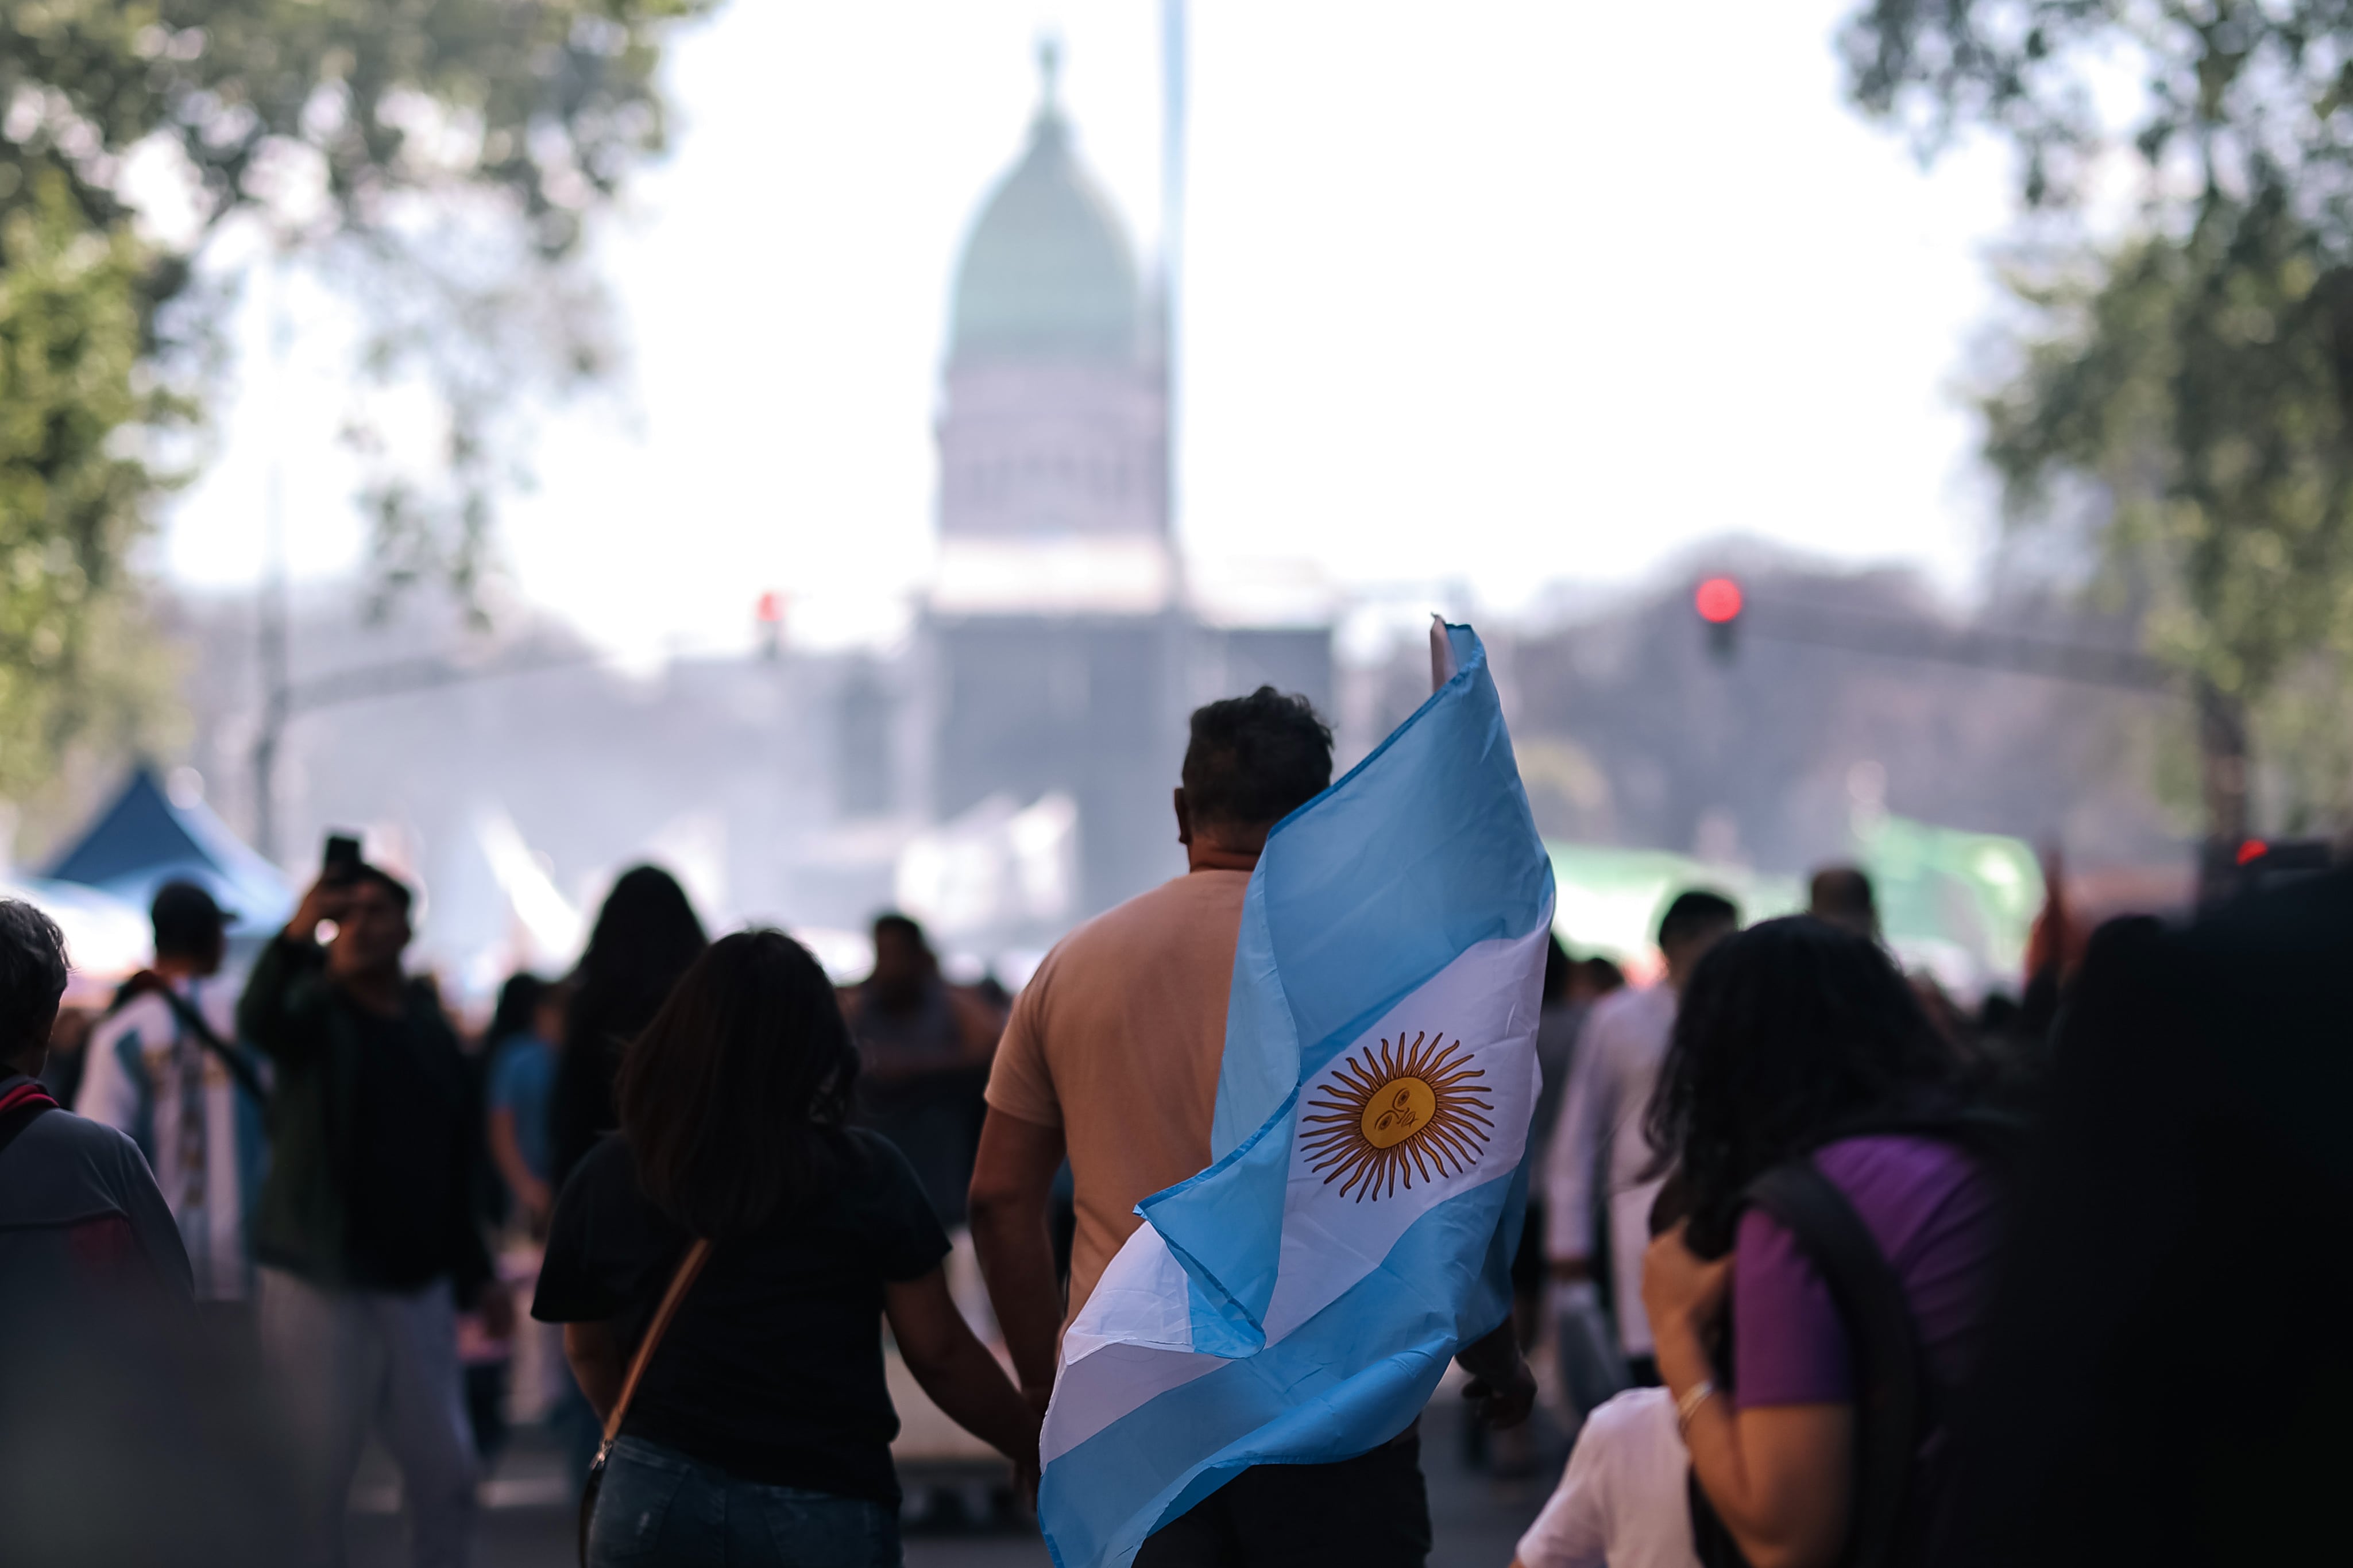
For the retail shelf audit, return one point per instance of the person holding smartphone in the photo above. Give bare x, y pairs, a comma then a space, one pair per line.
366, 1233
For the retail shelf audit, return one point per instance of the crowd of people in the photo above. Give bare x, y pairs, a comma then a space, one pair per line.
1826, 1270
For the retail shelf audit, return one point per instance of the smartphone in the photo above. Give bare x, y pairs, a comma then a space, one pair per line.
342, 859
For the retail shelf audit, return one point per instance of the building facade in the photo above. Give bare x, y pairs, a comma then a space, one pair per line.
1065, 645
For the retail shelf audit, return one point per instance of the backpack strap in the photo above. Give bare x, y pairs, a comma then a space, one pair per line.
19, 1106
1892, 1403
191, 1020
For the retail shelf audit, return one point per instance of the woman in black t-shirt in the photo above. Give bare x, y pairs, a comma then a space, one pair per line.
761, 1432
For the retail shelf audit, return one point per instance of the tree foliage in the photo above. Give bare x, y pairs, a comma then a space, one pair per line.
2235, 94
2198, 373
434, 162
70, 494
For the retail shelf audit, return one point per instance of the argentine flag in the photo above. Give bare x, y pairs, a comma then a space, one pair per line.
1297, 1301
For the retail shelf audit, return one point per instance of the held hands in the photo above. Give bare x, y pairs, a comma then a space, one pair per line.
1679, 1290
1030, 1464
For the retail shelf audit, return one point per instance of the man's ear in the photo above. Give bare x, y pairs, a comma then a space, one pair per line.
31, 1054
1183, 819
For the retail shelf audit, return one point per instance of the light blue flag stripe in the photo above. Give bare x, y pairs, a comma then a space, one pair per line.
1366, 1364
1424, 849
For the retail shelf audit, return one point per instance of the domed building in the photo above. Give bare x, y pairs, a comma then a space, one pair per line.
1054, 431
1065, 651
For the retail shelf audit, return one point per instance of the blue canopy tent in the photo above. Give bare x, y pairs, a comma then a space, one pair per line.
146, 839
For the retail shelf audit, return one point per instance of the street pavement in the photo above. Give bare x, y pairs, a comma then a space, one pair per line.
528, 1521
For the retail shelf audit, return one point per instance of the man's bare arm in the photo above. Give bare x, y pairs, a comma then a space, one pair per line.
1012, 1180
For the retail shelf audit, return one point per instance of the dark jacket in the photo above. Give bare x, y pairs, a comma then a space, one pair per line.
2166, 1368
303, 1023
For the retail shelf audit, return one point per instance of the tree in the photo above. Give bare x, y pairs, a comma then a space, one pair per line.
2202, 385
433, 161
2198, 373
70, 494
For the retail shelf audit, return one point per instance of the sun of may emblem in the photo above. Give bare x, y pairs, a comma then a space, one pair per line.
1396, 1113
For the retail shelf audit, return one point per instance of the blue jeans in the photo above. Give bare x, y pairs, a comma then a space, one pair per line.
658, 1506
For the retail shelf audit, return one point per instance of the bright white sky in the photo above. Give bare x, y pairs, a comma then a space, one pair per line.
1500, 293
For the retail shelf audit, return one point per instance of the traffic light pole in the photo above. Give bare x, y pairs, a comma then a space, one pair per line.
1896, 636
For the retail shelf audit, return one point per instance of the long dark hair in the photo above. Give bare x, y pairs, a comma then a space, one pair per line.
645, 936
733, 1099
1789, 1034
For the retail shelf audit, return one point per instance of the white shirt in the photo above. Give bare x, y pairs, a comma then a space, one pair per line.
1610, 1080
146, 1076
1622, 1501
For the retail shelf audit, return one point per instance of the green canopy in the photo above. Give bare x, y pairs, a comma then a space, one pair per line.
1957, 905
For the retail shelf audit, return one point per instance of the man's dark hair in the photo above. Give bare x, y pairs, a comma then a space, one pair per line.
1787, 1034
517, 1008
1842, 894
188, 924
1255, 760
1695, 911
905, 925
732, 1100
32, 975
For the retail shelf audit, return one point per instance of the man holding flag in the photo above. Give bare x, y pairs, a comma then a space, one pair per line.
1294, 1088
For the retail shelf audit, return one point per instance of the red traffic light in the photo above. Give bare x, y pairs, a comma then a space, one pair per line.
1717, 600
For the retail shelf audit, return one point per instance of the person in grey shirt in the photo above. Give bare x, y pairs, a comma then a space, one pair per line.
80, 1216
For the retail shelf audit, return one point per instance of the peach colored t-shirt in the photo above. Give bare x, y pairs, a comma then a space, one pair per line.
1117, 1040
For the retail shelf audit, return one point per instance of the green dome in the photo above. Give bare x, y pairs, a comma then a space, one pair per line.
1046, 273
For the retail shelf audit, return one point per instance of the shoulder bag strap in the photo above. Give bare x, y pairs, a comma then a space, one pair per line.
688, 1267
193, 1021
1892, 1404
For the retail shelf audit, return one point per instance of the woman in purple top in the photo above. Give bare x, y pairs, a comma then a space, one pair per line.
1793, 1037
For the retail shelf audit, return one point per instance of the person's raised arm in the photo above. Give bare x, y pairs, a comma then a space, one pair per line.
269, 1013
1781, 1478
1012, 1182
958, 1373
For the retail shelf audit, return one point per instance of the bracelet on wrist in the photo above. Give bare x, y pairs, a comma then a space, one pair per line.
1687, 1406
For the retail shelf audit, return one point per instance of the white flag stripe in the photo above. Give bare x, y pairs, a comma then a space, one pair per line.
1137, 1333
1331, 1239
